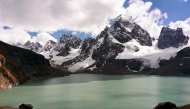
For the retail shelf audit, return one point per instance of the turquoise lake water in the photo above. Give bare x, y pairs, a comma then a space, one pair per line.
94, 91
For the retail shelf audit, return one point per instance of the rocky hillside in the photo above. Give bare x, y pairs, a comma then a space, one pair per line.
178, 65
19, 65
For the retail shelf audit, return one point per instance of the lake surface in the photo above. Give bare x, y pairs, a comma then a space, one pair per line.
94, 91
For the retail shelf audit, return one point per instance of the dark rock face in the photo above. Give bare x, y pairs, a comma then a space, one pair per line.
20, 65
126, 30
178, 65
184, 53
107, 50
32, 46
142, 36
66, 43
134, 65
86, 50
163, 62
184, 56
63, 49
71, 41
103, 33
87, 45
166, 105
25, 106
172, 38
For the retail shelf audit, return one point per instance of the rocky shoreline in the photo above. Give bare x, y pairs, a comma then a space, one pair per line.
163, 105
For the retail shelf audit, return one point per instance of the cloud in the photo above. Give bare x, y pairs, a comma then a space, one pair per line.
48, 16
150, 20
52, 15
74, 33
42, 38
14, 36
182, 24
183, 0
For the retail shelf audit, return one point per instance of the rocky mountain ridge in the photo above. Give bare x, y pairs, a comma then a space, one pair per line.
172, 38
122, 48
125, 29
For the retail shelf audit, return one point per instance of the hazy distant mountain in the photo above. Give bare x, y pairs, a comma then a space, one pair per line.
32, 46
48, 46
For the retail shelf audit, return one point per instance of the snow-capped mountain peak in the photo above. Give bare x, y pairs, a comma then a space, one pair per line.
125, 22
124, 30
125, 45
48, 46
34, 46
51, 42
124, 18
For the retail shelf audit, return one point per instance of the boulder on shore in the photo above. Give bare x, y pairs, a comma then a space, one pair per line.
25, 106
166, 105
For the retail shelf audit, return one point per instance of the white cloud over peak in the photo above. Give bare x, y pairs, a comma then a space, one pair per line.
42, 38
14, 36
89, 16
182, 24
51, 15
150, 20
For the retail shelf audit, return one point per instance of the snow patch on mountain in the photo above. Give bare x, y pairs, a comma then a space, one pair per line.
58, 60
124, 18
151, 54
49, 46
81, 65
88, 61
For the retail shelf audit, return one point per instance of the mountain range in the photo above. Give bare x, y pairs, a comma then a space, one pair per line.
122, 48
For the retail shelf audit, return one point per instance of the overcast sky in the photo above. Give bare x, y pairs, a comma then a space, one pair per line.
42, 20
